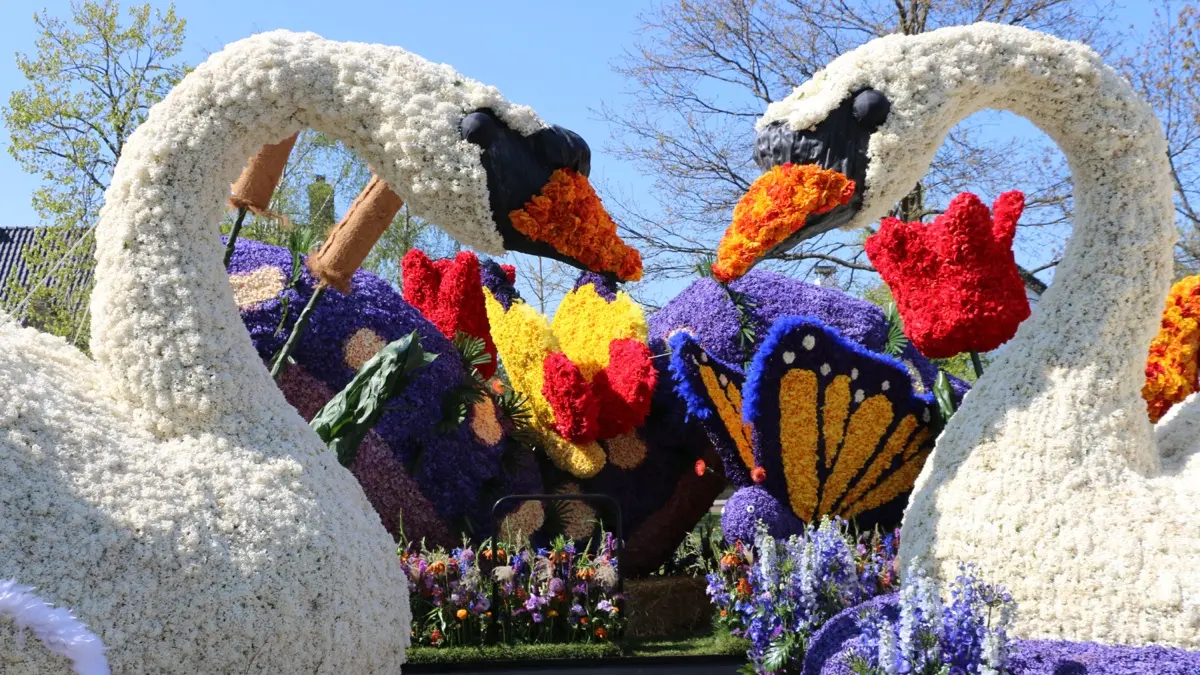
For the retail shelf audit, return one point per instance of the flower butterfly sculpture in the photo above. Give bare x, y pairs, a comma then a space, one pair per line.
588, 373
818, 423
1171, 369
955, 280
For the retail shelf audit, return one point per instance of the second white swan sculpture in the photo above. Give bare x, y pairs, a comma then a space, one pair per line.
166, 491
1049, 477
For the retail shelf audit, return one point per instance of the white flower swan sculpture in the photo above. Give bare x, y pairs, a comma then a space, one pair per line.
166, 491
1050, 477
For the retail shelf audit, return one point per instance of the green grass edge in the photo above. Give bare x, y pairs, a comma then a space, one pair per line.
704, 645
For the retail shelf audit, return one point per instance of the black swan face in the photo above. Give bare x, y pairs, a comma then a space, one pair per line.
518, 167
839, 142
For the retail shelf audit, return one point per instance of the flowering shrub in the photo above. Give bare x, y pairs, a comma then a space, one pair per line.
955, 280
774, 208
554, 594
970, 635
1171, 369
778, 594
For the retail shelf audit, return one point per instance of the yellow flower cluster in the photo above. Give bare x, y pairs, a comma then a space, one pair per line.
1171, 369
523, 340
798, 439
586, 323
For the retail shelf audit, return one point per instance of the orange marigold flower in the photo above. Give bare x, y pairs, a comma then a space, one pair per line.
552, 613
1171, 369
438, 567
568, 215
461, 614
601, 633
775, 207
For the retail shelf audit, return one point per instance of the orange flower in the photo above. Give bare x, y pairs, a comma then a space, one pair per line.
744, 586
758, 474
461, 614
1171, 369
552, 613
583, 619
585, 573
724, 613
436, 636
775, 207
601, 633
438, 567
569, 216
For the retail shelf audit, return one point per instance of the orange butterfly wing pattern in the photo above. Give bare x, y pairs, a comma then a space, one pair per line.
837, 427
712, 390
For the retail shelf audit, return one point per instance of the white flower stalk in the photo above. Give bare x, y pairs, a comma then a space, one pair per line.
1049, 476
58, 630
166, 491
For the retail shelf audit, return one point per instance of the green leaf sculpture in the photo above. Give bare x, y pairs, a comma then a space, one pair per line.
344, 421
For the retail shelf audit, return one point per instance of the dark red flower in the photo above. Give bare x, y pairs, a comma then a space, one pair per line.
701, 467
576, 408
955, 281
450, 294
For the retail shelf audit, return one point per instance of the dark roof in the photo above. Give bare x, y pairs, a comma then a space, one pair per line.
13, 241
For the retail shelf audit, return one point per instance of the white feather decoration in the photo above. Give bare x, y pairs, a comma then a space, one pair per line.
61, 632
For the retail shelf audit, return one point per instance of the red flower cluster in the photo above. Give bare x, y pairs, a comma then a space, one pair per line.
614, 402
450, 294
955, 281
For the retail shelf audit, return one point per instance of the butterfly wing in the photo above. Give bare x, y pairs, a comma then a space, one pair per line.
712, 390
837, 427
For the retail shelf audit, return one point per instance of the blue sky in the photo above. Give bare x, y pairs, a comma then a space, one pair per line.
553, 56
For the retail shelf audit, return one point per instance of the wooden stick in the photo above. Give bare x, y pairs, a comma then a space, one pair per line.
349, 242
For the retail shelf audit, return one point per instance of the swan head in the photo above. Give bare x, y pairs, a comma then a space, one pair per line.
517, 167
878, 114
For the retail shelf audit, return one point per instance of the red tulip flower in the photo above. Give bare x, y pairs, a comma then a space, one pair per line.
955, 281
701, 468
450, 294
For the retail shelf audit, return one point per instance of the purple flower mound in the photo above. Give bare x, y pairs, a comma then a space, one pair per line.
841, 634
833, 643
604, 288
749, 505
449, 466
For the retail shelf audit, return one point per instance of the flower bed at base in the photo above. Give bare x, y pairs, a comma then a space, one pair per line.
830, 647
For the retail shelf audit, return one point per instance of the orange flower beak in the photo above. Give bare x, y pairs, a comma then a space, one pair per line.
568, 216
772, 213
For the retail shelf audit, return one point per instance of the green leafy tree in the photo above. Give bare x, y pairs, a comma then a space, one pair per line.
90, 82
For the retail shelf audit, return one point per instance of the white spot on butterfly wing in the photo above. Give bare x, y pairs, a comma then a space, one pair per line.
925, 416
854, 373
859, 396
789, 357
825, 369
723, 380
886, 385
703, 357
809, 342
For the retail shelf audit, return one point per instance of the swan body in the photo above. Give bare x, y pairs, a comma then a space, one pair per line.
165, 490
1049, 477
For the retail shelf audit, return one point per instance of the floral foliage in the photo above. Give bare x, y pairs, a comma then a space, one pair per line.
775, 207
345, 331
1171, 369
568, 215
955, 280
588, 374
780, 593
557, 594
450, 294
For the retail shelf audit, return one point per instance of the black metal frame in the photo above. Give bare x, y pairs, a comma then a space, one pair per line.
618, 539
